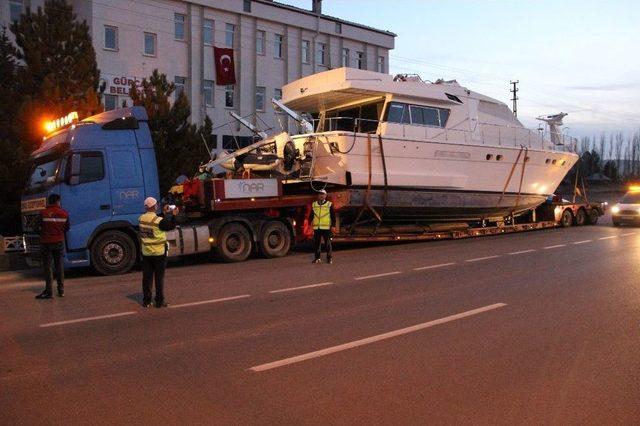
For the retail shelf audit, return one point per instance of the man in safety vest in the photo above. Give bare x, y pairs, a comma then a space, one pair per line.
54, 222
323, 219
153, 241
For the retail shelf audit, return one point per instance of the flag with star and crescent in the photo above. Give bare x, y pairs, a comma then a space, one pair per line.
225, 72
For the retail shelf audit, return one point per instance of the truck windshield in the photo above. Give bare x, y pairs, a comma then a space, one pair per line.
44, 173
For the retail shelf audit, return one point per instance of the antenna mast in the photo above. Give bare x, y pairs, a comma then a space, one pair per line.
515, 97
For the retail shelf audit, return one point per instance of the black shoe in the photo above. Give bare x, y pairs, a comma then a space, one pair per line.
316, 261
44, 295
146, 304
60, 292
161, 305
329, 260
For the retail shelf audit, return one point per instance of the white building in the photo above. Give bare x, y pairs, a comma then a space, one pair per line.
273, 44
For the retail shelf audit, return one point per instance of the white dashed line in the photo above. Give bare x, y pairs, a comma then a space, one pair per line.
53, 324
372, 339
627, 234
204, 302
522, 252
283, 290
386, 274
582, 242
608, 238
477, 259
556, 246
442, 265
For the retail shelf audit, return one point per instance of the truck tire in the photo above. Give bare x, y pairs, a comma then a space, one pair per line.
234, 243
593, 217
113, 253
566, 219
581, 217
275, 239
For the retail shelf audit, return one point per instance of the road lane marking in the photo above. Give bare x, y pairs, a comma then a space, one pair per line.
522, 252
283, 290
556, 246
204, 302
372, 339
386, 274
477, 259
627, 234
582, 242
120, 314
441, 265
608, 238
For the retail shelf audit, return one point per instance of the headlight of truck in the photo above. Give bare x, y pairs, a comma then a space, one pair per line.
615, 209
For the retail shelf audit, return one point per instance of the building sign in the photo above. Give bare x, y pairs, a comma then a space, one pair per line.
250, 188
118, 85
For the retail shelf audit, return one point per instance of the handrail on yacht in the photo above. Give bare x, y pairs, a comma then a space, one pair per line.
490, 133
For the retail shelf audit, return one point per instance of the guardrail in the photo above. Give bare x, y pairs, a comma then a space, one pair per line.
12, 244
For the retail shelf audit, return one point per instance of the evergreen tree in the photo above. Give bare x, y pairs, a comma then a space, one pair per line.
60, 72
178, 145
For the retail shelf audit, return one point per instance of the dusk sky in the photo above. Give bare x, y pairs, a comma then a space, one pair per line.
580, 57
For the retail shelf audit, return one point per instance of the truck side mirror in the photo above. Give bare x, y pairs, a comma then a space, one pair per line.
74, 174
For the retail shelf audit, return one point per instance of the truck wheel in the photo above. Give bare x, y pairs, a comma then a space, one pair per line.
275, 239
581, 217
593, 217
234, 243
567, 218
113, 253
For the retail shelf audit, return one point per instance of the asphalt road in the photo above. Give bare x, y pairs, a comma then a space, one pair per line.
532, 328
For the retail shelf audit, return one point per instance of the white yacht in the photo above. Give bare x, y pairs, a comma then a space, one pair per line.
411, 149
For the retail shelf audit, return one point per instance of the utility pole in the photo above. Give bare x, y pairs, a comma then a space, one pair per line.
515, 97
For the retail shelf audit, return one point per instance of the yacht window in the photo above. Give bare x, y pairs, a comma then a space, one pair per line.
416, 115
453, 97
398, 113
444, 116
430, 117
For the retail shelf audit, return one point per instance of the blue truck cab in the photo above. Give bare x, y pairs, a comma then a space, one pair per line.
103, 168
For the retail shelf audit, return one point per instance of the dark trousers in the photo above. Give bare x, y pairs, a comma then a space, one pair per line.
318, 236
153, 267
52, 258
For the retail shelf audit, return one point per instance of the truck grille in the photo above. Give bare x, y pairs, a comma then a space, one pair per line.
32, 244
30, 222
629, 212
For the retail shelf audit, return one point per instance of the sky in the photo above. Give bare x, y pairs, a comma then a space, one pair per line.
579, 57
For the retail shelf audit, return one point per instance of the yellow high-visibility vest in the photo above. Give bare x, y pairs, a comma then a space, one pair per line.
153, 239
321, 215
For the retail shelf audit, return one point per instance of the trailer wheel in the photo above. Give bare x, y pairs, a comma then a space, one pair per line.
234, 243
593, 217
113, 253
581, 217
275, 239
567, 218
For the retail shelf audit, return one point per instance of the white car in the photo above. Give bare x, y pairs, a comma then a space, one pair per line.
627, 211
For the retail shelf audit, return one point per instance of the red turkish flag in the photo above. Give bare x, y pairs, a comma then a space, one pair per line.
225, 72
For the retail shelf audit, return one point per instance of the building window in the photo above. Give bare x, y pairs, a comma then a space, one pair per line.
178, 23
345, 57
360, 60
150, 44
207, 90
306, 51
338, 28
110, 102
277, 94
380, 63
246, 6
110, 37
260, 95
228, 96
260, 42
15, 10
207, 32
277, 47
321, 54
229, 32
180, 83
